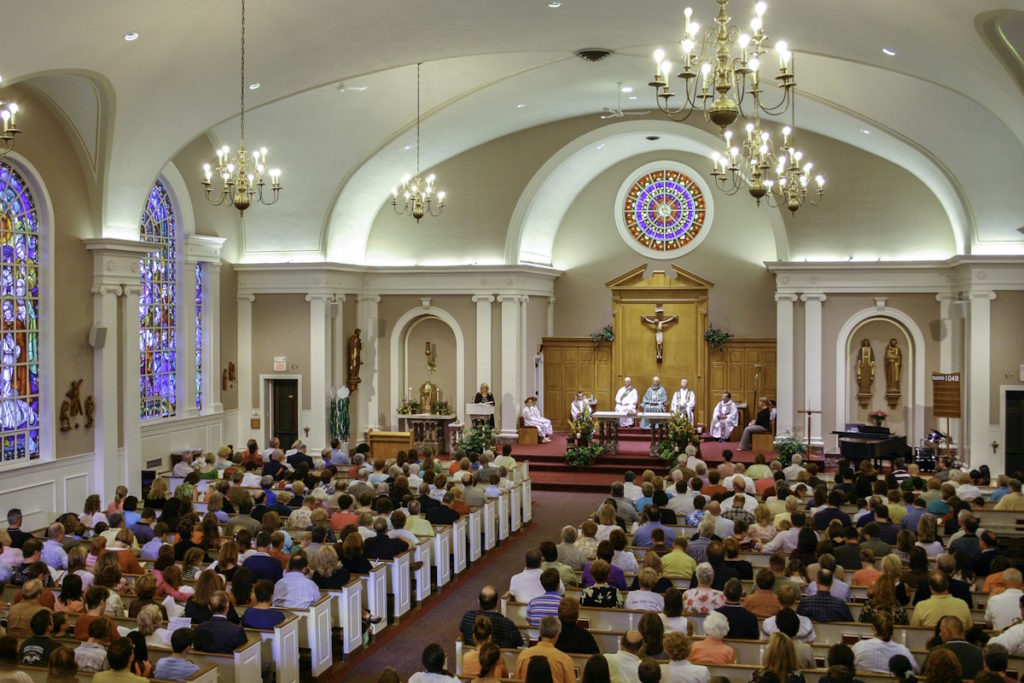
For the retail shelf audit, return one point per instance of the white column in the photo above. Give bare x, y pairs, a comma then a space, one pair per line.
367, 394
978, 381
104, 363
130, 419
317, 371
511, 389
551, 316
483, 338
211, 339
187, 368
525, 352
812, 362
245, 402
784, 361
950, 353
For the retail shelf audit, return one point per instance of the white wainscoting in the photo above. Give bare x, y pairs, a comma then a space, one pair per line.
206, 433
44, 489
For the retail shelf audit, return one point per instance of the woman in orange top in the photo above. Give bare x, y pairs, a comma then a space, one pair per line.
712, 650
126, 560
483, 632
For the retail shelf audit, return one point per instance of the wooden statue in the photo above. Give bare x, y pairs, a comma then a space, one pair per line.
75, 403
893, 366
865, 372
659, 322
224, 380
65, 419
355, 348
90, 411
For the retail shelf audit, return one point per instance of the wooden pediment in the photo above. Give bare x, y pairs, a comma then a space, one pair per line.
660, 283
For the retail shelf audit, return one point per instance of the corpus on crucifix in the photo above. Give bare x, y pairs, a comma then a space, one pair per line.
659, 322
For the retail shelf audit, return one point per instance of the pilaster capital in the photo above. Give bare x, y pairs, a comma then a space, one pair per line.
507, 298
525, 298
246, 297
107, 290
483, 298
338, 298
981, 295
425, 301
880, 302
322, 297
551, 301
785, 297
131, 290
943, 297
813, 296
368, 299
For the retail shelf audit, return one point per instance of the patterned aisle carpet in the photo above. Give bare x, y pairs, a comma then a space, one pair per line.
437, 621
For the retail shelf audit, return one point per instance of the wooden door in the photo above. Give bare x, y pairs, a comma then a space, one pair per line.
284, 410
746, 369
571, 365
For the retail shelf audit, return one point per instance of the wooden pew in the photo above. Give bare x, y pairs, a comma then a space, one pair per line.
490, 523
516, 507
399, 582
459, 534
442, 554
347, 613
475, 533
241, 666
375, 595
527, 497
423, 554
504, 500
314, 632
39, 674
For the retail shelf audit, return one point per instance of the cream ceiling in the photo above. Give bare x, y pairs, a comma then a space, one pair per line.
948, 106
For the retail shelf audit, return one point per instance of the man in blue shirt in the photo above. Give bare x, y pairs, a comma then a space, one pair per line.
651, 520
53, 554
143, 527
151, 549
822, 606
914, 515
1001, 490
131, 515
176, 667
260, 563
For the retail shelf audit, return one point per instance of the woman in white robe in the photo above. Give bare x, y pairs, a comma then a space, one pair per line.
533, 418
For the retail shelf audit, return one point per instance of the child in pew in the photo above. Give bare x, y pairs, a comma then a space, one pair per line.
177, 667
62, 666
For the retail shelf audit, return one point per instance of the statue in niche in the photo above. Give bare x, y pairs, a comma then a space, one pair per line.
354, 350
90, 412
659, 322
893, 366
65, 419
865, 372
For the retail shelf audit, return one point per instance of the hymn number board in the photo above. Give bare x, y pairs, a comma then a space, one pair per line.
946, 394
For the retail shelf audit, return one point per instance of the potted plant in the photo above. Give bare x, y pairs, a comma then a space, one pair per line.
581, 450
681, 434
716, 338
605, 334
477, 439
788, 445
878, 417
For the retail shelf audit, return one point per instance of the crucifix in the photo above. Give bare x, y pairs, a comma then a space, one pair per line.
659, 322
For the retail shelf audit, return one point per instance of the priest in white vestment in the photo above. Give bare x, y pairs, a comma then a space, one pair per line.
625, 402
533, 418
684, 400
655, 400
724, 418
580, 407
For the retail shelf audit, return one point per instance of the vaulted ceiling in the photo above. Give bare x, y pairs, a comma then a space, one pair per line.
948, 106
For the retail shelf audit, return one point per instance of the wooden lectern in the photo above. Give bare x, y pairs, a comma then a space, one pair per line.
479, 414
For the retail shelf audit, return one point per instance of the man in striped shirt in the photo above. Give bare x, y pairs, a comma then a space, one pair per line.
546, 604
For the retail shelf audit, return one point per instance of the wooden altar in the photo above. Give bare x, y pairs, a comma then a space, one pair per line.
440, 432
606, 432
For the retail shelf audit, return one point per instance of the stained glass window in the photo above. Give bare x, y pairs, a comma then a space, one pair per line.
199, 336
19, 324
157, 319
664, 210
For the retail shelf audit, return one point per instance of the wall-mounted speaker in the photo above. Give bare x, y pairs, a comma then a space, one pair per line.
97, 337
958, 310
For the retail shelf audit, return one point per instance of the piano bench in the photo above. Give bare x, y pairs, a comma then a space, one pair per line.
763, 442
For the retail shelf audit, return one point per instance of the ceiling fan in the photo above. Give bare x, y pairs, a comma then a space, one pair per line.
618, 112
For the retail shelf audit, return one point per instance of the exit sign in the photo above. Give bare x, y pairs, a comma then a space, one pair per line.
280, 363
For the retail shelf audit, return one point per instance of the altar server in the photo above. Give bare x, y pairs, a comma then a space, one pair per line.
655, 400
533, 418
684, 400
625, 402
580, 407
724, 418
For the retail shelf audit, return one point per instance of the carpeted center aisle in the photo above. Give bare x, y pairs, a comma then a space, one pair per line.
438, 620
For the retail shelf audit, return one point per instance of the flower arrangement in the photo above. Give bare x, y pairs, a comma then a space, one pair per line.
605, 334
581, 450
477, 439
716, 338
442, 408
878, 417
788, 445
681, 436
409, 407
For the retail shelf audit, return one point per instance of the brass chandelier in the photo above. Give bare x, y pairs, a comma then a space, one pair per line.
241, 177
417, 193
8, 116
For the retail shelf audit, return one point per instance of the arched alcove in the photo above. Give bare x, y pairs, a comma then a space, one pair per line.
414, 326
879, 325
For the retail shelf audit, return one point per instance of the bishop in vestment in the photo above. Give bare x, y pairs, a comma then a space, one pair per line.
655, 400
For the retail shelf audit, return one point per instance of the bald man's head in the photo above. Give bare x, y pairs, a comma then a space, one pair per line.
632, 641
488, 598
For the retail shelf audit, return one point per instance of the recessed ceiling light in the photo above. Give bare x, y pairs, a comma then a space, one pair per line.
521, 105
865, 131
131, 35
554, 4
255, 85
343, 87
889, 51
407, 148
601, 146
627, 88
632, 97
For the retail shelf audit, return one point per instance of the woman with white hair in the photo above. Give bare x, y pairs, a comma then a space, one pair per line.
712, 650
703, 599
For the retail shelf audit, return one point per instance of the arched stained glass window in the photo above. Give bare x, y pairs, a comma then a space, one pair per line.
199, 336
157, 315
19, 324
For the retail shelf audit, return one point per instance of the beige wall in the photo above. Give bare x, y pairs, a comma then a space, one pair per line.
592, 252
1007, 348
228, 332
280, 327
46, 147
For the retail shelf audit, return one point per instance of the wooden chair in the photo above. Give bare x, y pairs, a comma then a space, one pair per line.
764, 442
527, 436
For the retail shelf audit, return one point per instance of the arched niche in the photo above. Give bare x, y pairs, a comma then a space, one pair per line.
408, 361
879, 325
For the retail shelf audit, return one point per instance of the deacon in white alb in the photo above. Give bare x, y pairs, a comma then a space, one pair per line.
684, 400
580, 407
533, 418
655, 399
625, 402
724, 418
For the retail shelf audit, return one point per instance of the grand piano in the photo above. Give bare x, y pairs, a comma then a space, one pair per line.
859, 441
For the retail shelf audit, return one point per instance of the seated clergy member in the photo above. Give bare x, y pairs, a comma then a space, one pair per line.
724, 418
684, 400
625, 402
580, 407
759, 425
533, 418
655, 401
